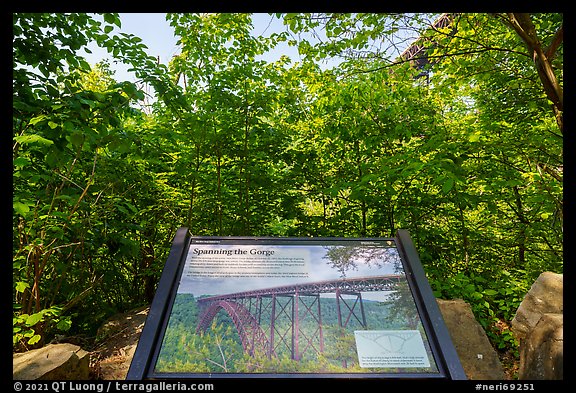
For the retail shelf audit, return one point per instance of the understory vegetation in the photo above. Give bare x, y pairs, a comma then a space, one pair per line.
462, 146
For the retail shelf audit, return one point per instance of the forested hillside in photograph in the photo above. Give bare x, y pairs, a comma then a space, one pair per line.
447, 125
219, 349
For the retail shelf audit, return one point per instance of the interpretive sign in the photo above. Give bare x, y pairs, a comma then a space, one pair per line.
305, 307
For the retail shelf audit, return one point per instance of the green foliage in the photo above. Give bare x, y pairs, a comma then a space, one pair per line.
69, 142
27, 329
494, 301
468, 159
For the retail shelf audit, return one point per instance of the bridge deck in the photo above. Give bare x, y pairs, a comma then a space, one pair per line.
360, 284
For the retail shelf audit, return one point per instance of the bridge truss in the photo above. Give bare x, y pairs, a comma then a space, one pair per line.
271, 320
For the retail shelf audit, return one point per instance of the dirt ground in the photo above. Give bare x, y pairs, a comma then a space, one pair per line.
116, 343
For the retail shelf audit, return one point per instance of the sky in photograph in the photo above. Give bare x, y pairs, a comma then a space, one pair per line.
316, 267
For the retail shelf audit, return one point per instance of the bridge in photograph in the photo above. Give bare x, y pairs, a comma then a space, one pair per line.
270, 320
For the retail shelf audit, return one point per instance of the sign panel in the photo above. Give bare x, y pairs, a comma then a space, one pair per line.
254, 307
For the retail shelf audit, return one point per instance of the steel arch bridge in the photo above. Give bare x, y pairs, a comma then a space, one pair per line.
269, 320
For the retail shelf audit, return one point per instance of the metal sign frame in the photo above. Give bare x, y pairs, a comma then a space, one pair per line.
146, 353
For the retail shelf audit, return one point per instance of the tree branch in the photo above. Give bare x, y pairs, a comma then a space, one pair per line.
556, 41
522, 24
439, 56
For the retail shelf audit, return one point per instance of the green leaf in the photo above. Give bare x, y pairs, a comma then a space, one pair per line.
490, 292
26, 139
35, 338
37, 119
477, 295
475, 137
53, 158
21, 162
64, 324
131, 207
84, 65
20, 208
113, 19
21, 286
19, 319
76, 139
447, 186
34, 319
68, 126
55, 231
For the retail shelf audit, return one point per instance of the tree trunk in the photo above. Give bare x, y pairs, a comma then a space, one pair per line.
523, 224
193, 188
219, 191
523, 25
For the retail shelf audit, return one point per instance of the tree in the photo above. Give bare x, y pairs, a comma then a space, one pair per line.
227, 135
67, 127
543, 56
485, 176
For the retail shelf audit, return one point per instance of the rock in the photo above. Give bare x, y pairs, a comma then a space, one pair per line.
53, 361
545, 296
538, 326
478, 357
541, 352
119, 336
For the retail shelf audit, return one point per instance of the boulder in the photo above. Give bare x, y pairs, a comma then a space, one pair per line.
542, 351
545, 296
478, 357
538, 326
53, 362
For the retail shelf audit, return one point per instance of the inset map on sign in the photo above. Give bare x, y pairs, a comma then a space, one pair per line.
390, 348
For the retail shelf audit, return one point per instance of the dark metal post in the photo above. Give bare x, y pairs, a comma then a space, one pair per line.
296, 327
272, 324
364, 323
320, 325
338, 311
292, 354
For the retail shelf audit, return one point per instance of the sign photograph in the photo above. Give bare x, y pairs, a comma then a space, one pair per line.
334, 307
